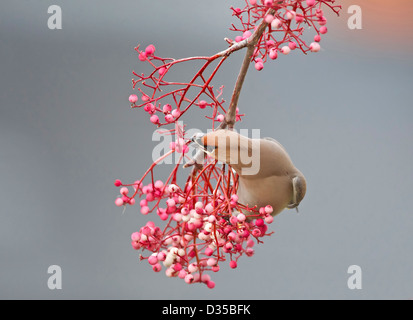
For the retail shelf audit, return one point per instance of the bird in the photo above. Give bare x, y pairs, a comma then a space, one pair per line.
267, 175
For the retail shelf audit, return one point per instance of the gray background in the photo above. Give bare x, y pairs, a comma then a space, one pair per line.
66, 132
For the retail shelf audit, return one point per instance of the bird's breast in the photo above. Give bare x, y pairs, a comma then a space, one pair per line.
274, 190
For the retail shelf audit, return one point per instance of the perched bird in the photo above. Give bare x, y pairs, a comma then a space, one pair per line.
267, 175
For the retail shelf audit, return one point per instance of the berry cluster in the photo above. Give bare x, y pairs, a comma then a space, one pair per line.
287, 21
205, 224
199, 236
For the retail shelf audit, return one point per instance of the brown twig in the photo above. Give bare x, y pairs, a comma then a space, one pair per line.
250, 43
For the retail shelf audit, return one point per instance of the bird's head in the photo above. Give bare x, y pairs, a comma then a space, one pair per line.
230, 147
201, 141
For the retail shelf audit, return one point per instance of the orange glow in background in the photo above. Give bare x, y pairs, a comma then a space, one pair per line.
387, 26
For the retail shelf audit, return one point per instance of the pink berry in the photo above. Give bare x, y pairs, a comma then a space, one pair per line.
268, 3
133, 98
153, 260
253, 2
163, 216
118, 183
124, 191
145, 98
177, 267
209, 251
157, 267
233, 264
270, 43
146, 230
264, 229
170, 203
220, 117
169, 118
149, 108
162, 71
211, 262
238, 39
249, 252
135, 245
150, 197
192, 267
317, 38
177, 217
268, 209
132, 201
299, 18
176, 113
269, 219
210, 284
215, 268
310, 3
241, 217
205, 277
209, 208
292, 45
182, 274
273, 54
285, 50
173, 188
259, 66
202, 104
269, 18
189, 278
172, 145
154, 119
246, 34
150, 224
315, 47
322, 21
290, 15
233, 220
276, 23
119, 202
161, 256
142, 56
150, 50
167, 108
323, 30
259, 222
169, 272
145, 210
136, 236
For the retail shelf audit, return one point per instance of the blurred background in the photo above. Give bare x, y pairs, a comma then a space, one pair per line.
67, 132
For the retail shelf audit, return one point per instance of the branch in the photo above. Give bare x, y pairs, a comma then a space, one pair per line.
251, 42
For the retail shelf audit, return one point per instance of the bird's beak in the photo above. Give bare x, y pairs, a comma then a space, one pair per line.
200, 141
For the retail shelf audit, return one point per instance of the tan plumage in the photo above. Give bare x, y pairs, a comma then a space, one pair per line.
267, 175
